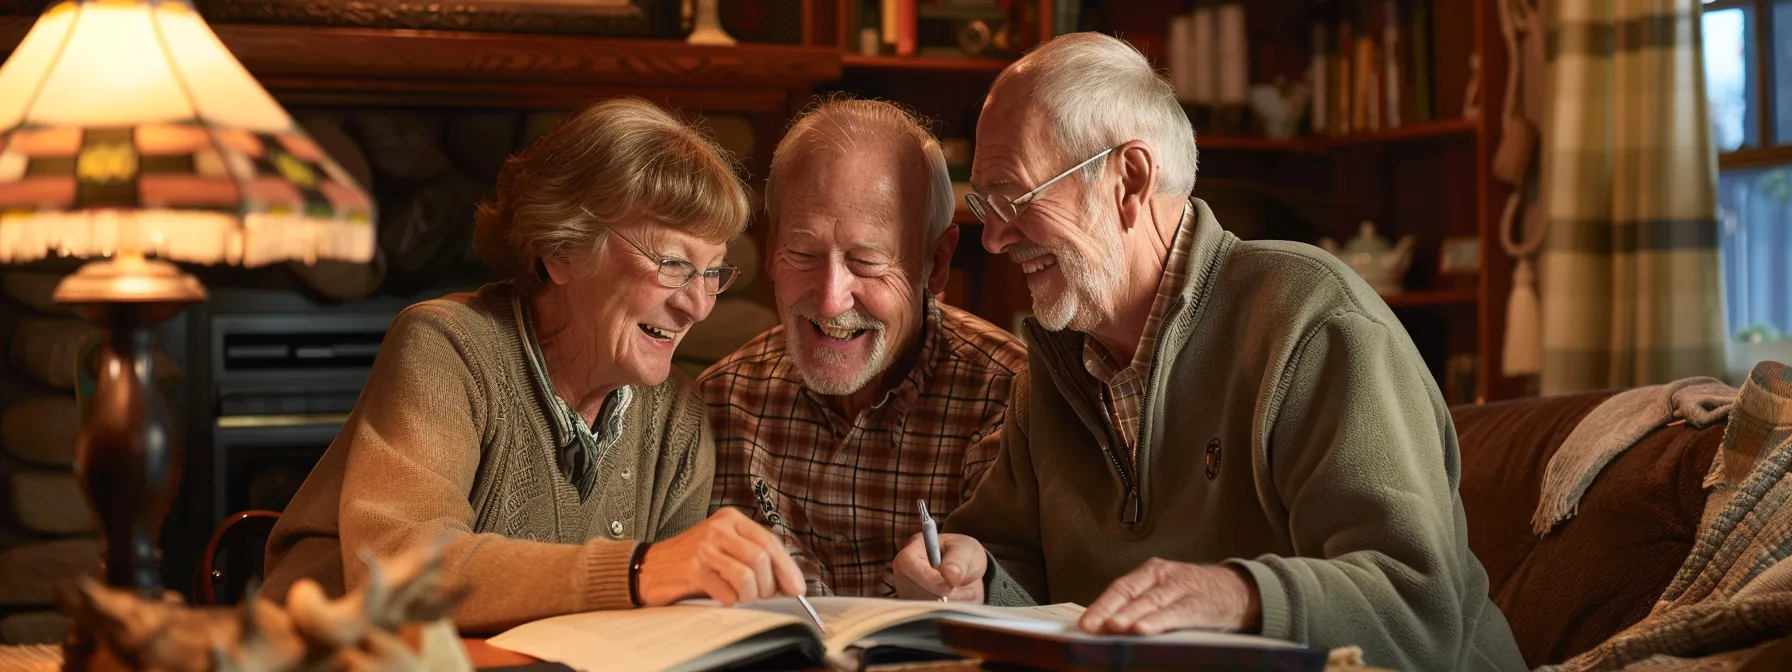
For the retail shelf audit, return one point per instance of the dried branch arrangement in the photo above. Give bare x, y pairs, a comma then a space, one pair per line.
396, 623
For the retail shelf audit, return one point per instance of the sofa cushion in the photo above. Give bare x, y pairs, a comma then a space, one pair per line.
1602, 570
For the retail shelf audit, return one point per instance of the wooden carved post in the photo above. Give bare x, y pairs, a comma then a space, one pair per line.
126, 453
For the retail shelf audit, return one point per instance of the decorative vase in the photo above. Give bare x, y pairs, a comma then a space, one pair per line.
708, 28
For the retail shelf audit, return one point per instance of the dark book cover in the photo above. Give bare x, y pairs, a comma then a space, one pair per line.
1053, 652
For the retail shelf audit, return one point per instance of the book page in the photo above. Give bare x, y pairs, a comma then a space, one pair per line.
849, 620
638, 639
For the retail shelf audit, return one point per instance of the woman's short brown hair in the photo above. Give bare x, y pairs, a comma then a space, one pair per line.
610, 162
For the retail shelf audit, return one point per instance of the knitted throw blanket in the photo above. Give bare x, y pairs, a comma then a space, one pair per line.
1612, 428
1735, 589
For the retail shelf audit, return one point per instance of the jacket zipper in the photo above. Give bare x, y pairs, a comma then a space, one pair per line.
1133, 511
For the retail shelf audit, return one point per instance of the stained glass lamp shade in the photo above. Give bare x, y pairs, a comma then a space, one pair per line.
130, 136
126, 127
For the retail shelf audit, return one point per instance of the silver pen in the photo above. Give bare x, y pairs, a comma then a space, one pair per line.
930, 536
812, 615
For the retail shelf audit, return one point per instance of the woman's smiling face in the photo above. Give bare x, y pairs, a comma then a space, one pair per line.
636, 322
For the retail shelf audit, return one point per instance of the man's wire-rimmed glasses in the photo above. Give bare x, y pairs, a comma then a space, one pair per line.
1008, 209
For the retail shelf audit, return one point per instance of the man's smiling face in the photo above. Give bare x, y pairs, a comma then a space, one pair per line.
848, 260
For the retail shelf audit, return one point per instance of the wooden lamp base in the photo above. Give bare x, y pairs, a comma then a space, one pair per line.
126, 454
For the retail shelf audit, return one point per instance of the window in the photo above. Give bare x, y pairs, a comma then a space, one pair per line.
1755, 206
1748, 83
1728, 85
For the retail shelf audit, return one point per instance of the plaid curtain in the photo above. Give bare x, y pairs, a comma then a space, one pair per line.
1629, 271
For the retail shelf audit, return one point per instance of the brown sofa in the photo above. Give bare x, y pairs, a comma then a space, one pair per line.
1602, 570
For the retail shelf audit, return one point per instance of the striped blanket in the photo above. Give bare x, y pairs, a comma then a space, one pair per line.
1734, 592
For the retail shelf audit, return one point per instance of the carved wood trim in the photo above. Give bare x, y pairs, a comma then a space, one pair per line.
307, 90
380, 57
631, 18
270, 50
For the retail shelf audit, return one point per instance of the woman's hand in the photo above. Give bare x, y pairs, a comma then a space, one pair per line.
727, 557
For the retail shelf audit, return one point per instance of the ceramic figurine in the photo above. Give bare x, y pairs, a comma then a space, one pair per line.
1280, 107
1382, 265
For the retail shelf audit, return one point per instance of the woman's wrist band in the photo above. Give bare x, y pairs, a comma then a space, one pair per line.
634, 572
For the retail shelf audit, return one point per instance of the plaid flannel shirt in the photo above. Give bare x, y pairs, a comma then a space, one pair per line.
840, 492
1123, 389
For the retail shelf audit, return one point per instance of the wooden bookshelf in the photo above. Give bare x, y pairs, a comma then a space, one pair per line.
1447, 128
1430, 180
1432, 298
1436, 130
1251, 144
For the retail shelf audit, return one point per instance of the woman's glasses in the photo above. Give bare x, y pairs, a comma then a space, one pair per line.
675, 273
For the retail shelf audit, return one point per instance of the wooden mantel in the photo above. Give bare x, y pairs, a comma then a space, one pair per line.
307, 64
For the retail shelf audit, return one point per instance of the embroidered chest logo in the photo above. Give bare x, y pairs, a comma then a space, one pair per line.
767, 504
1213, 459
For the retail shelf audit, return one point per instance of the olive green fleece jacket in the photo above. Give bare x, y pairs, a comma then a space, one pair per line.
452, 437
1290, 429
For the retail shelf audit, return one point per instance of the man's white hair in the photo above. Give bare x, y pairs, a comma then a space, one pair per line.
1100, 92
843, 123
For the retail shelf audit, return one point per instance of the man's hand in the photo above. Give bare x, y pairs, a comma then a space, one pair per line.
959, 578
1162, 595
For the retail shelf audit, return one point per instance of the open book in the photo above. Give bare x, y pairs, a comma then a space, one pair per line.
702, 635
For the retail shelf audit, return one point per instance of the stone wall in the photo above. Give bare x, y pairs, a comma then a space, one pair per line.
46, 530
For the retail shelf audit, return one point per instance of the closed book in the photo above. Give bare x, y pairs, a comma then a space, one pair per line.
1045, 647
907, 25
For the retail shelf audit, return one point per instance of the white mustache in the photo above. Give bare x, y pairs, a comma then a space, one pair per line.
851, 320
1026, 252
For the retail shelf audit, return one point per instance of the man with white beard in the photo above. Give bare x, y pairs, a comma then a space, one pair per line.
870, 395
1211, 432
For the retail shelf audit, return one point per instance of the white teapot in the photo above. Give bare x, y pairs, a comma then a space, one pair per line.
1381, 265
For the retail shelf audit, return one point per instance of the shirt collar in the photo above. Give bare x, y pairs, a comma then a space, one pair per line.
1102, 364
571, 434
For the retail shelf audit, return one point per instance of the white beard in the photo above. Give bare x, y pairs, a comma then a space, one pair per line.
808, 362
1089, 289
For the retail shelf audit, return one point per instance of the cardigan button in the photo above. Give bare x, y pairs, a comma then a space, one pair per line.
615, 528
627, 473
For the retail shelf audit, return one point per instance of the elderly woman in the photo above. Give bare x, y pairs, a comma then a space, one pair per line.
537, 423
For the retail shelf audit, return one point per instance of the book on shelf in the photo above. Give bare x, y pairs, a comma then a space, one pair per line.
1372, 68
1391, 53
860, 632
